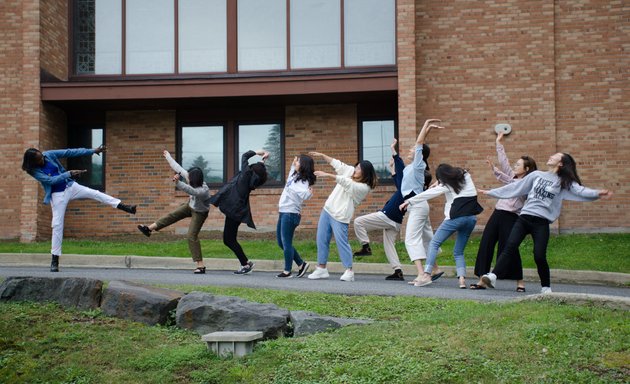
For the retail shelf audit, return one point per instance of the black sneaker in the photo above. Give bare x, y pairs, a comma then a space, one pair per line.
303, 269
365, 251
283, 274
245, 269
397, 275
145, 230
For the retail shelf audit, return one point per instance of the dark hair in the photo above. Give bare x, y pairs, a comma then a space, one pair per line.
451, 176
426, 152
307, 167
195, 177
568, 172
30, 158
260, 175
529, 164
368, 174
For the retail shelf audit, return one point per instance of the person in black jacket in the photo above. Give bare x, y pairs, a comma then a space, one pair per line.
233, 200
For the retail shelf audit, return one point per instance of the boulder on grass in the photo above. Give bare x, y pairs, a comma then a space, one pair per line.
138, 302
307, 323
205, 313
70, 292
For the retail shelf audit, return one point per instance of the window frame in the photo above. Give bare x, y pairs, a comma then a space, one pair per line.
86, 129
237, 157
386, 117
179, 142
231, 48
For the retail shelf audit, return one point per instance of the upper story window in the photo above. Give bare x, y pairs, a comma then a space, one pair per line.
134, 37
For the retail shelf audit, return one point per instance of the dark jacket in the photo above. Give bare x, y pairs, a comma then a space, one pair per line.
391, 208
233, 198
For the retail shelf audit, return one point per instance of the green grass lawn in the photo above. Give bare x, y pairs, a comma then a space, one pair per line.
597, 252
414, 340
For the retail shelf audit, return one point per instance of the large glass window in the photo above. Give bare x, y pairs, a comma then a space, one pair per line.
315, 33
262, 136
202, 36
262, 35
108, 37
370, 32
376, 138
202, 146
150, 36
86, 137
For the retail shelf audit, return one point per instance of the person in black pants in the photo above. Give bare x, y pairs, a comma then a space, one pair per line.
233, 200
500, 223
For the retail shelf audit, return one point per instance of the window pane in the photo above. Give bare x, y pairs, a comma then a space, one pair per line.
108, 37
267, 137
203, 147
96, 174
262, 35
370, 32
315, 33
202, 36
376, 137
150, 36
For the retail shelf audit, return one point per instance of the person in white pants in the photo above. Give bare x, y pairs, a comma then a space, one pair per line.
416, 179
60, 189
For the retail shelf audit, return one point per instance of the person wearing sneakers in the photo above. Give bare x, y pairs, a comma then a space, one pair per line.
196, 208
505, 214
60, 189
389, 219
460, 215
353, 185
233, 200
545, 192
297, 190
416, 179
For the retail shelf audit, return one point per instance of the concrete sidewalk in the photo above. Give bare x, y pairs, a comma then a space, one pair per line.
151, 262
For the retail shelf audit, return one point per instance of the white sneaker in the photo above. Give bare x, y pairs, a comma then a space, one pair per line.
348, 275
489, 279
319, 273
545, 290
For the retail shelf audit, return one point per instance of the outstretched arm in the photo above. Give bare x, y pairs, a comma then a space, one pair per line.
426, 128
326, 158
175, 165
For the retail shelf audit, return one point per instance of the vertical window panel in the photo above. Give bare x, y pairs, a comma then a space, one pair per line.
202, 36
376, 137
262, 136
150, 36
315, 33
108, 37
202, 146
370, 32
262, 40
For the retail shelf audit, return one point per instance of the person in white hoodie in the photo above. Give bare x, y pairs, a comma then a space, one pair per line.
353, 185
196, 208
297, 190
460, 215
545, 192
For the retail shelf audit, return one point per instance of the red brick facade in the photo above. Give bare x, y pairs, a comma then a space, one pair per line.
556, 71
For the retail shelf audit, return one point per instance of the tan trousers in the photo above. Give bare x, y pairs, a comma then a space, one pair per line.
198, 218
378, 220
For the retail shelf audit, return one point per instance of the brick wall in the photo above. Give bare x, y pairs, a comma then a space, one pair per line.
54, 43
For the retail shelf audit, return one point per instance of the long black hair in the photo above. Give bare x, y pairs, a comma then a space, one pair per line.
368, 174
568, 172
195, 177
426, 151
454, 177
30, 160
306, 171
260, 175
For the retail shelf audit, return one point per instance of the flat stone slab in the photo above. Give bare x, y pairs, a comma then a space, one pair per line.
232, 343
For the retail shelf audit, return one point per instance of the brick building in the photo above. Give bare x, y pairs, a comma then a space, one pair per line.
209, 79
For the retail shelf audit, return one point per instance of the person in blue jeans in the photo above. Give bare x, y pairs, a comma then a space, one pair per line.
460, 215
297, 190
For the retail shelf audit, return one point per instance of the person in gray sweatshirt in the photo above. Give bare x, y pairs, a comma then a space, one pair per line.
545, 192
197, 208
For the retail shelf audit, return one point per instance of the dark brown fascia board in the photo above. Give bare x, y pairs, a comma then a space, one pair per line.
180, 89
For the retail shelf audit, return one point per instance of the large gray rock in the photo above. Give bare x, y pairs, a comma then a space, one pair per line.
306, 323
139, 302
205, 313
75, 292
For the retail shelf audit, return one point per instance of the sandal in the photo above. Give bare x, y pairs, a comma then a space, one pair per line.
477, 286
412, 282
436, 276
520, 289
199, 270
